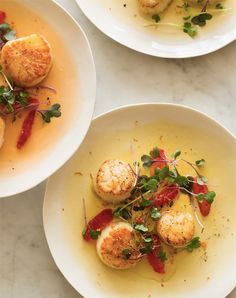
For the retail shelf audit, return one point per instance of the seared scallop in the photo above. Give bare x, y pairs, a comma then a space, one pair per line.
153, 7
27, 60
2, 131
114, 181
202, 2
176, 228
116, 246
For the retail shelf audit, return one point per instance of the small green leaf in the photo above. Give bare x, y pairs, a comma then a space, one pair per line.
148, 240
151, 185
193, 244
210, 196
126, 253
146, 249
141, 228
177, 152
164, 172
200, 162
155, 213
156, 18
201, 197
145, 203
94, 234
146, 159
123, 213
201, 180
155, 152
162, 256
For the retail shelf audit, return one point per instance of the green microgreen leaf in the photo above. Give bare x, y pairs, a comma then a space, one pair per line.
200, 162
190, 29
176, 154
186, 18
141, 228
155, 213
148, 239
53, 111
164, 172
193, 244
201, 197
162, 256
151, 185
219, 6
201, 180
156, 18
146, 249
154, 153
126, 253
94, 234
201, 19
145, 203
123, 213
210, 196
146, 159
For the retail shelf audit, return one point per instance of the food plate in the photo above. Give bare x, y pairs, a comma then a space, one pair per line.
142, 127
73, 79
122, 21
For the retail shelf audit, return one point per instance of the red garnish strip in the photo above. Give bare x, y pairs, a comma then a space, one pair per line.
98, 223
154, 256
167, 195
204, 206
26, 128
2, 17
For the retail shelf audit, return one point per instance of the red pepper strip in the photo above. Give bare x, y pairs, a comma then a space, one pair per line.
2, 17
98, 223
153, 257
26, 129
158, 162
166, 195
204, 206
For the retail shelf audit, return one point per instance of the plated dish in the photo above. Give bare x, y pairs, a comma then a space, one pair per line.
170, 29
197, 267
42, 79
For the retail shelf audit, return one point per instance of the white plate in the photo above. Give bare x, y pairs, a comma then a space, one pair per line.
119, 23
112, 135
76, 91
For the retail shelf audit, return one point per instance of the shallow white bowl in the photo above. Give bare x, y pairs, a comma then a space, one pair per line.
35, 169
119, 23
112, 135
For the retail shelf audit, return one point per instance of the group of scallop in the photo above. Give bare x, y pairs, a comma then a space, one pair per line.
154, 7
113, 184
26, 61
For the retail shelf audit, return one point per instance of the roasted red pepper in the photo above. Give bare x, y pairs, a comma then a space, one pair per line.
98, 223
204, 206
166, 195
26, 128
2, 17
158, 162
154, 256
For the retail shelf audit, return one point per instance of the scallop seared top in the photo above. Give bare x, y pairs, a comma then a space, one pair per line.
153, 7
115, 180
27, 60
113, 240
176, 228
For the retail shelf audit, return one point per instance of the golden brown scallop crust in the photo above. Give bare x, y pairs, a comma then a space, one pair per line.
27, 60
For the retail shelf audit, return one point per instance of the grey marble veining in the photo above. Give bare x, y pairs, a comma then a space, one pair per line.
207, 83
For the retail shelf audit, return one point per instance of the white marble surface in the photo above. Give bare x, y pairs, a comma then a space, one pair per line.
123, 76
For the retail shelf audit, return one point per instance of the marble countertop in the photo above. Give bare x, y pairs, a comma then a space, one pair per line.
27, 269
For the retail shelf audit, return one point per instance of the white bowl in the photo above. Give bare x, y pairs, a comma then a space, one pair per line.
60, 139
127, 133
126, 26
